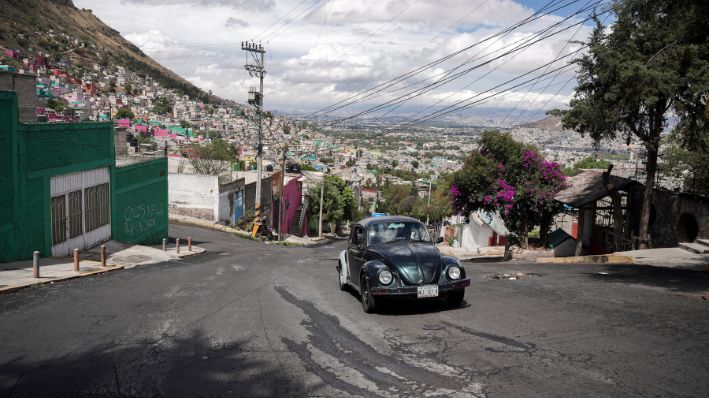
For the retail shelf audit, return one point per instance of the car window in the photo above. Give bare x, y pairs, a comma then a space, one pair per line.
397, 231
356, 237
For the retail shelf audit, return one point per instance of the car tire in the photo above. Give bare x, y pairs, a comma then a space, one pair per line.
455, 299
341, 276
369, 302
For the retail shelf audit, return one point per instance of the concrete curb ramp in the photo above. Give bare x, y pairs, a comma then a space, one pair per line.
54, 269
598, 259
80, 274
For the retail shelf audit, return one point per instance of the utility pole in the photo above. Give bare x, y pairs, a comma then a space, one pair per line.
256, 69
281, 206
322, 191
428, 209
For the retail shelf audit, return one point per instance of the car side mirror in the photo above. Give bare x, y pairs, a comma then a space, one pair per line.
439, 240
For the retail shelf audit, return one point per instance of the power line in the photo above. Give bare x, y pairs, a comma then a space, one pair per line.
431, 86
494, 69
457, 106
279, 19
538, 14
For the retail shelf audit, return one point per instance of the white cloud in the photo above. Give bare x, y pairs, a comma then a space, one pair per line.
326, 51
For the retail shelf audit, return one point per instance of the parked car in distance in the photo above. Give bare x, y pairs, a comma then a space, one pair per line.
394, 257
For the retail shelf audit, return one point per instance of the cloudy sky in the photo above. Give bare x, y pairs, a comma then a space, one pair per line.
320, 52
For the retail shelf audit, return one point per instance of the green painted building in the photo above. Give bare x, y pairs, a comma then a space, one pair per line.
61, 188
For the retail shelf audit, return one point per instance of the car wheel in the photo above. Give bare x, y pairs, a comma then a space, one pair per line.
455, 299
342, 277
369, 303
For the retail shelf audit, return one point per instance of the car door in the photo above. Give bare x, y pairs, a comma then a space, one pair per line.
355, 254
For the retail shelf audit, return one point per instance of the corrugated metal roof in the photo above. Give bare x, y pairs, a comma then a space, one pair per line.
589, 186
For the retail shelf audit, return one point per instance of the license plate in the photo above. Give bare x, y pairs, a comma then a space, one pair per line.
427, 291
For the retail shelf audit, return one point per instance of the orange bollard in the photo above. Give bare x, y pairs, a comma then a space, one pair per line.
76, 260
189, 243
177, 245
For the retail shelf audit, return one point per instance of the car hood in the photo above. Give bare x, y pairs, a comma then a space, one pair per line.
415, 262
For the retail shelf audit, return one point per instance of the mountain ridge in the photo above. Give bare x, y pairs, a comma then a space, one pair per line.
27, 26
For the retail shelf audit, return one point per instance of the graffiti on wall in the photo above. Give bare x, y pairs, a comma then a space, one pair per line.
141, 218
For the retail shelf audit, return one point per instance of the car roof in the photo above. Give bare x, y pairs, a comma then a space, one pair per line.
377, 220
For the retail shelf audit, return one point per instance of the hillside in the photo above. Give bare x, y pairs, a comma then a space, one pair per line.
32, 26
550, 123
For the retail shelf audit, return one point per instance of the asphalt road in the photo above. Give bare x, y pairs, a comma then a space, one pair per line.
254, 320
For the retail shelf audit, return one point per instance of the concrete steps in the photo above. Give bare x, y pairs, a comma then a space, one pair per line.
698, 247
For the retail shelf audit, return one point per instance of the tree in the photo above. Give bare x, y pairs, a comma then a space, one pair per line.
112, 86
415, 164
213, 158
58, 105
127, 88
686, 164
653, 62
184, 124
339, 202
397, 199
125, 113
508, 178
162, 106
589, 162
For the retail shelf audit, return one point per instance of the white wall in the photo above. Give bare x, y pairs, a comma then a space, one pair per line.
475, 235
223, 207
195, 191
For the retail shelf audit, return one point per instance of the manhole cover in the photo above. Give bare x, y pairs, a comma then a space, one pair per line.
512, 276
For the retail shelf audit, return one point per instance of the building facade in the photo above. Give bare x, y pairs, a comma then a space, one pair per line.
62, 189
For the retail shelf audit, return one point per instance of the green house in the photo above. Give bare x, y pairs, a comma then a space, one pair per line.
62, 189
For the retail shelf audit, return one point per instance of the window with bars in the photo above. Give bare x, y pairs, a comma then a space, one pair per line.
59, 219
96, 206
75, 214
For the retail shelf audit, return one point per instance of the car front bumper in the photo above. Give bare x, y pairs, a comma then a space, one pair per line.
410, 291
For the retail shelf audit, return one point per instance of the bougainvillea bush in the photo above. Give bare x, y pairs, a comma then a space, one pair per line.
511, 179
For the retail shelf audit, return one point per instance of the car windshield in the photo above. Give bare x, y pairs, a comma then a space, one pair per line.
397, 231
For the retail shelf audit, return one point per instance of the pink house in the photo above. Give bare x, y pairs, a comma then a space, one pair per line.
292, 201
123, 123
141, 128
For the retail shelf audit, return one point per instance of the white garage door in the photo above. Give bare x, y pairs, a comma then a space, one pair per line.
81, 211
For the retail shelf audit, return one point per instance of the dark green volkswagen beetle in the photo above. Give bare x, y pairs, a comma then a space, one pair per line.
394, 257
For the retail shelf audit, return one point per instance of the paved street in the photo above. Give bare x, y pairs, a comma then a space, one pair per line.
253, 320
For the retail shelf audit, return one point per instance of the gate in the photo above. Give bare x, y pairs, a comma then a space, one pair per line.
80, 209
238, 206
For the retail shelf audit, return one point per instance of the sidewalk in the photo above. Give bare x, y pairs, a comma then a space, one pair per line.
495, 253
18, 275
674, 257
198, 222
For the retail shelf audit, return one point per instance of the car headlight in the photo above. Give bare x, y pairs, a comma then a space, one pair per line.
385, 277
453, 273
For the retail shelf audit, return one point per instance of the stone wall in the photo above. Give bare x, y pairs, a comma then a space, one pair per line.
26, 88
678, 218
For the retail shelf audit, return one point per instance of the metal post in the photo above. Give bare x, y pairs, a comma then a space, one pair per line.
189, 243
35, 264
76, 260
177, 245
322, 191
103, 255
164, 244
